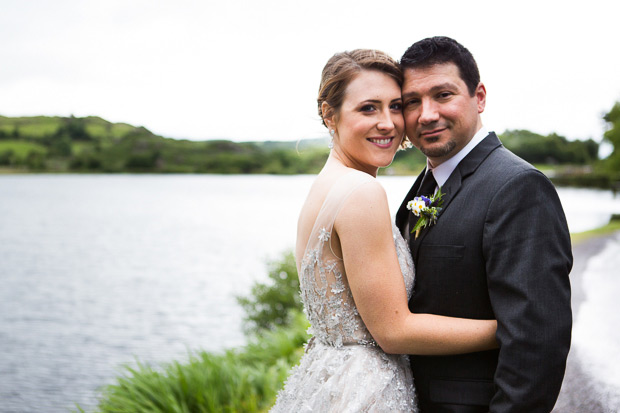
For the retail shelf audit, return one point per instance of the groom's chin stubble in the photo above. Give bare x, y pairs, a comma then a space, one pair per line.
439, 151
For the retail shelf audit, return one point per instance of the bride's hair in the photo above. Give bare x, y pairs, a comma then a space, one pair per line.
340, 70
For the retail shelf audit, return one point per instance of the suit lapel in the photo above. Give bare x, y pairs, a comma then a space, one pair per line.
451, 188
474, 159
402, 215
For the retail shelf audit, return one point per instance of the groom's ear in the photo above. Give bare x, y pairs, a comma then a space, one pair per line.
481, 97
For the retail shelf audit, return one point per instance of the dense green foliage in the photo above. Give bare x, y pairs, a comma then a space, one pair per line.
407, 162
242, 380
271, 305
612, 135
550, 149
91, 144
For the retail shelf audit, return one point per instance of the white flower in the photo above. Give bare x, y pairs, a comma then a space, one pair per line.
323, 235
416, 205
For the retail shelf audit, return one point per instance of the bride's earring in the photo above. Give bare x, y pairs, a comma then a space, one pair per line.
330, 145
406, 143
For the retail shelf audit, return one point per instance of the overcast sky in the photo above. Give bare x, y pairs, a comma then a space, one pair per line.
249, 70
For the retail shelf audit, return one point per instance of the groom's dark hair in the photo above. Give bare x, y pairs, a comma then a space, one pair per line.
438, 50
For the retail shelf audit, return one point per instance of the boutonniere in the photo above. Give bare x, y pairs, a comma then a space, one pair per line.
427, 210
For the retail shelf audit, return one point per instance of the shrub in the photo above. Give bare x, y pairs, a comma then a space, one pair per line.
269, 305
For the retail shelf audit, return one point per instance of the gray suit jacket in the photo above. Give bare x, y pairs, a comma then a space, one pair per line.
499, 250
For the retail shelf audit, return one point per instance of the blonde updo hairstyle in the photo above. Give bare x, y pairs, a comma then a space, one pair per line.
342, 68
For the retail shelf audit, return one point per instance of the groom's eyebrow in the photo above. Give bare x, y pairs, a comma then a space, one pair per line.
443, 86
434, 89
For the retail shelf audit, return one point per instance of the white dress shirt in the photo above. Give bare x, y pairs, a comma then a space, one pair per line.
443, 171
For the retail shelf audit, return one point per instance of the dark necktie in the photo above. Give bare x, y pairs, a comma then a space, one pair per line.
427, 188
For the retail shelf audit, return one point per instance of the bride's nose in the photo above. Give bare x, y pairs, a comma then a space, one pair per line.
385, 121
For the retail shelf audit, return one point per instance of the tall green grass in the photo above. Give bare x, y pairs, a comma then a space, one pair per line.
239, 380
243, 380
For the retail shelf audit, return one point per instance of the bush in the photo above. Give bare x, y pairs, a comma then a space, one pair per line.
7, 157
270, 305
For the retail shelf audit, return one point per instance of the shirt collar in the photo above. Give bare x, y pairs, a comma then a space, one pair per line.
443, 171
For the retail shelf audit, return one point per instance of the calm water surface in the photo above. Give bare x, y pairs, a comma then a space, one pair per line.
100, 270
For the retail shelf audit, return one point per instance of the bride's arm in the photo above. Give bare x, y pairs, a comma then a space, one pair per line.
365, 232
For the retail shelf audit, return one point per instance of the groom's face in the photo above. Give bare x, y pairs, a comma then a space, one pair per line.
441, 116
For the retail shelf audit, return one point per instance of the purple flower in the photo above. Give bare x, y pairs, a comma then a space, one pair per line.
426, 200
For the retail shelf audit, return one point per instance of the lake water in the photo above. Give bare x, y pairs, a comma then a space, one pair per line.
101, 270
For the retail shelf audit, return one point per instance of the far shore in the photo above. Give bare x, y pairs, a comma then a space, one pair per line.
579, 392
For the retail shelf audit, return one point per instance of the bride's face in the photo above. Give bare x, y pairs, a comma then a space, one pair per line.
370, 125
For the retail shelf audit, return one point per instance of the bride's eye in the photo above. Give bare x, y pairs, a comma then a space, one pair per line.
398, 106
367, 108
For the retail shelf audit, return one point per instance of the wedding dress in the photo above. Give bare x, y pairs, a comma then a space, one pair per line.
343, 369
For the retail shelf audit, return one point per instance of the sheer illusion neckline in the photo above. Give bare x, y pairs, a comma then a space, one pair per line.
329, 201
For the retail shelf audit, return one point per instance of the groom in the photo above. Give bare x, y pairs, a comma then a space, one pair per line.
500, 248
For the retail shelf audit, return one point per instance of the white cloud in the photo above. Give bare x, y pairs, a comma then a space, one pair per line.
249, 70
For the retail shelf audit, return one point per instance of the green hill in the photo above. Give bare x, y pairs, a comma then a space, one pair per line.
92, 144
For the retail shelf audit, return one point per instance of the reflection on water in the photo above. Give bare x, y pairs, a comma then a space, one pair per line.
96, 270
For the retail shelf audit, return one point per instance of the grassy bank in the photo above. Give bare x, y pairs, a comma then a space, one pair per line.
611, 227
241, 380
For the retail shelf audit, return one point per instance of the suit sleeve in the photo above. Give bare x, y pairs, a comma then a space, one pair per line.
528, 260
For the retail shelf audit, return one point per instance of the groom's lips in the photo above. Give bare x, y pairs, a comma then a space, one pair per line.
432, 133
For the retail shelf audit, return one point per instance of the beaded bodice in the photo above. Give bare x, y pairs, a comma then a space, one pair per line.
325, 291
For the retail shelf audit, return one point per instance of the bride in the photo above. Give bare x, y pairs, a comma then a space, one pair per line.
356, 274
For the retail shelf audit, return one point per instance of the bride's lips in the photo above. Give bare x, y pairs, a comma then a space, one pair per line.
382, 141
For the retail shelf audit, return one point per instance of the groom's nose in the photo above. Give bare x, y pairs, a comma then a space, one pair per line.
429, 112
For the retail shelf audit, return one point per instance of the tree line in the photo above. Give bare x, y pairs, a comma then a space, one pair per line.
94, 145
91, 144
